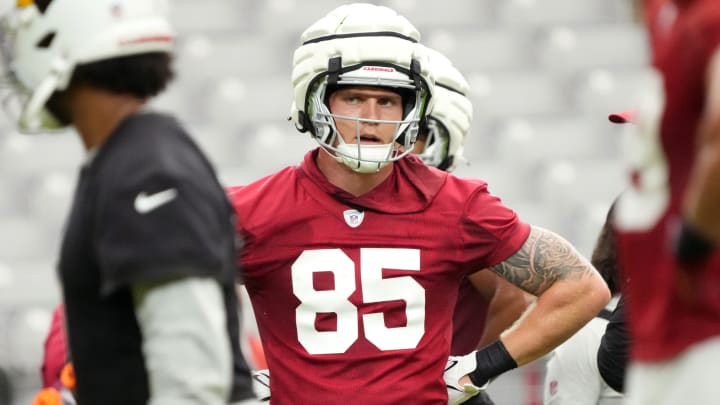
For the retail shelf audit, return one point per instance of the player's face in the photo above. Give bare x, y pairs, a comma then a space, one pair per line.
374, 103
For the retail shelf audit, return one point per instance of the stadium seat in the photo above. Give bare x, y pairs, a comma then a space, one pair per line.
568, 50
234, 100
30, 154
481, 49
220, 143
192, 16
533, 13
589, 218
267, 147
25, 237
49, 198
554, 137
280, 19
508, 184
25, 331
515, 93
600, 92
273, 146
428, 14
208, 56
566, 184
538, 213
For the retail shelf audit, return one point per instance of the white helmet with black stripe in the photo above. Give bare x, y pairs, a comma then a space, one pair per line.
362, 45
42, 41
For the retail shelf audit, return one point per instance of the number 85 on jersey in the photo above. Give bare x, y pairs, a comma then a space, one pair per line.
374, 289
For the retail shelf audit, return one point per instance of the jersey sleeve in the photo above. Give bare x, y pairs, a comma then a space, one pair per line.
156, 224
492, 232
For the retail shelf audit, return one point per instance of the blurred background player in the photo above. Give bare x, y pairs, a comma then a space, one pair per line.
147, 262
573, 376
361, 232
668, 222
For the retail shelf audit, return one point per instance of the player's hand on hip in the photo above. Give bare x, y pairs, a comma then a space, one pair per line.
456, 370
261, 384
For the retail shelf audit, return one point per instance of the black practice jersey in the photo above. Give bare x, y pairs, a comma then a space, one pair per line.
148, 207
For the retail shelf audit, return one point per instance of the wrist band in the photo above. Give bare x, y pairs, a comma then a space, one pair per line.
492, 360
691, 247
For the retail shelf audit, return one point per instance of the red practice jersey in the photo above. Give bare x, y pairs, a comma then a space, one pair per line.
665, 315
55, 355
468, 319
354, 296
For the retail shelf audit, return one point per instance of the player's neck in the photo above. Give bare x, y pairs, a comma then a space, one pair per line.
96, 113
343, 177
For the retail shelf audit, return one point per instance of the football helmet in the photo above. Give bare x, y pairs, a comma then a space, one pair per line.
360, 45
449, 120
41, 42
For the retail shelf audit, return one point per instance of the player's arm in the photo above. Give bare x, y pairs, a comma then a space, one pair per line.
570, 293
185, 341
505, 303
701, 231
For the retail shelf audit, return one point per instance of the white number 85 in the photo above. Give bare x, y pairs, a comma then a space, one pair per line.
374, 289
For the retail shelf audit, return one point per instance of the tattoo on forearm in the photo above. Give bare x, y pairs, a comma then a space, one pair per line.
543, 259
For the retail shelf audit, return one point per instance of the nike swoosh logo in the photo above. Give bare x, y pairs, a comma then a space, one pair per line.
145, 202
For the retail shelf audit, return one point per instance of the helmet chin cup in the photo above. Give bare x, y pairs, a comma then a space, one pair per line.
364, 158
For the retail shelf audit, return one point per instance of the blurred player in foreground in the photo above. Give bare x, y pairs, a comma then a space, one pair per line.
147, 262
668, 221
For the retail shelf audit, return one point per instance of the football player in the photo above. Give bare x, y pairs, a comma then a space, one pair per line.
353, 259
147, 262
668, 222
440, 144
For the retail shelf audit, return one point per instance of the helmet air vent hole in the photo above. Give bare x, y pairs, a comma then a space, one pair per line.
42, 5
47, 40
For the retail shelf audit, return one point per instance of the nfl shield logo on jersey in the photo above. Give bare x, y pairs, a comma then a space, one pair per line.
353, 217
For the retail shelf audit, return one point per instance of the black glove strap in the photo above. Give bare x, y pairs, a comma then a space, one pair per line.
492, 360
692, 247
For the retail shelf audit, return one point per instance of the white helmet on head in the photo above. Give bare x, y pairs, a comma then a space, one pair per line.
44, 40
449, 120
363, 45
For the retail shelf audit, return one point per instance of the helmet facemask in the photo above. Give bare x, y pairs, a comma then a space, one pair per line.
359, 157
41, 44
21, 104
